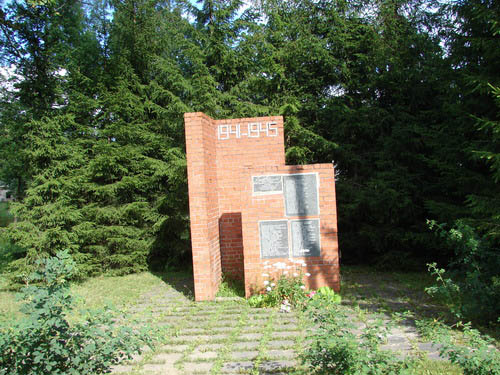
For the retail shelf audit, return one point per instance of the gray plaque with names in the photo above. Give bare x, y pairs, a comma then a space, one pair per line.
305, 238
301, 195
267, 184
273, 239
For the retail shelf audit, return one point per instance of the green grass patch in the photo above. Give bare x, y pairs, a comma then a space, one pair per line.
95, 293
231, 287
118, 291
429, 367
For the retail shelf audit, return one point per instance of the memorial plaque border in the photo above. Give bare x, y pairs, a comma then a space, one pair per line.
271, 192
317, 194
288, 239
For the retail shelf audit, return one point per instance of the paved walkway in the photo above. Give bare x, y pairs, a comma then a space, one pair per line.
229, 337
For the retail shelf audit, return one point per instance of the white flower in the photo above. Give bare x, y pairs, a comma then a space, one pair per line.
295, 274
288, 267
280, 265
268, 288
267, 266
285, 272
265, 275
273, 284
308, 274
302, 287
266, 282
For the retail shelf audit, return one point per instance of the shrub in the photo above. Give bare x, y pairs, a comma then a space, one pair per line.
44, 342
336, 350
286, 288
471, 288
477, 354
327, 294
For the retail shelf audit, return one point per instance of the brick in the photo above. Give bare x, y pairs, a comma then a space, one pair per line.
222, 156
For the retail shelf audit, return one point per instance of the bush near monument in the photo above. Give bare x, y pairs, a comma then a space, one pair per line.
44, 342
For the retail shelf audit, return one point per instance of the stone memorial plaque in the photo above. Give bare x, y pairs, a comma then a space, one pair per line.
301, 195
273, 239
305, 238
267, 184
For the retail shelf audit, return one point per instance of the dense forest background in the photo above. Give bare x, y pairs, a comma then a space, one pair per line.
401, 94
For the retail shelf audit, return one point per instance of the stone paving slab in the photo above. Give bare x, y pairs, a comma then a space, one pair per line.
197, 367
121, 369
206, 333
277, 365
200, 356
237, 366
280, 343
242, 345
174, 348
166, 358
239, 355
285, 354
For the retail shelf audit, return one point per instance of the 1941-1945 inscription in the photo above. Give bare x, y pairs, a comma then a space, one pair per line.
305, 238
301, 195
267, 184
273, 239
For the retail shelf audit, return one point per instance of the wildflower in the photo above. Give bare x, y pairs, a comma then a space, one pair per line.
266, 282
302, 287
308, 274
268, 288
285, 272
295, 274
273, 284
311, 295
265, 275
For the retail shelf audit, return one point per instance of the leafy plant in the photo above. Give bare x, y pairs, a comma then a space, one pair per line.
44, 342
327, 294
471, 288
286, 288
478, 356
336, 350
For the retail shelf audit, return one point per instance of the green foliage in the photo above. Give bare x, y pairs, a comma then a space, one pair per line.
5, 216
327, 294
478, 356
231, 287
336, 350
287, 288
91, 127
475, 353
472, 289
44, 342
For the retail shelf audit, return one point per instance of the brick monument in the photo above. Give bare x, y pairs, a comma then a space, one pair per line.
252, 216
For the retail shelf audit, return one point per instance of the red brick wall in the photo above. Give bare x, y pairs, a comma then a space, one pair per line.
232, 155
220, 156
323, 270
203, 204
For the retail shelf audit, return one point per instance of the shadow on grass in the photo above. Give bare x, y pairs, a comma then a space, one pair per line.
181, 280
389, 292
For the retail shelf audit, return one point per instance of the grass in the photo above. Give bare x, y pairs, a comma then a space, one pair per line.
231, 287
398, 295
95, 293
117, 291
